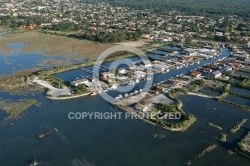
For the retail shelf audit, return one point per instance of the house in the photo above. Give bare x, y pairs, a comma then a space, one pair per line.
215, 74
219, 34
111, 75
176, 83
64, 87
139, 74
208, 70
106, 79
105, 74
223, 64
161, 88
227, 69
241, 56
141, 107
196, 74
147, 64
146, 36
191, 52
160, 68
246, 62
236, 64
79, 82
187, 59
122, 71
154, 92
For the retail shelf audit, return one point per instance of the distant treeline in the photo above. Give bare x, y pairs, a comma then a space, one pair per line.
194, 7
109, 37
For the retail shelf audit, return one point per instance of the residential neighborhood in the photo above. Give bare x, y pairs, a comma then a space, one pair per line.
96, 20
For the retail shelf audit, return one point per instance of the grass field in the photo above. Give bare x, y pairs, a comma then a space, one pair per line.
46, 44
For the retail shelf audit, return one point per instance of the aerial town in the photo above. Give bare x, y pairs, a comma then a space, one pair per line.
90, 20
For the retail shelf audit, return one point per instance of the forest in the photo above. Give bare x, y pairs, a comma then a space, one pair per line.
190, 7
109, 37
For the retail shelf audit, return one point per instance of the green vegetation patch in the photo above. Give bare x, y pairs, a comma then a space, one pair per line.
223, 137
17, 84
215, 126
15, 108
207, 150
238, 126
244, 145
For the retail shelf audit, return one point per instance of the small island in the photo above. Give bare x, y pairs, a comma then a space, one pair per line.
243, 147
15, 108
215, 126
238, 126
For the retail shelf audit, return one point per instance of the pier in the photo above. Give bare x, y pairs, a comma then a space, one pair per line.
104, 68
87, 71
137, 62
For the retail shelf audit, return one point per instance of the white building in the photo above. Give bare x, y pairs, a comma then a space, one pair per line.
122, 71
79, 82
139, 74
159, 68
141, 107
215, 74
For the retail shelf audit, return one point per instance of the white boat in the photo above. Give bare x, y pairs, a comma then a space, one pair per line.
114, 87
34, 163
137, 81
118, 97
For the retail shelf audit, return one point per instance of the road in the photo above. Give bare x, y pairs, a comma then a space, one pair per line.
54, 92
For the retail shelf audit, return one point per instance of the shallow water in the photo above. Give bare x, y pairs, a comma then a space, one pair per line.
238, 100
239, 90
17, 61
119, 141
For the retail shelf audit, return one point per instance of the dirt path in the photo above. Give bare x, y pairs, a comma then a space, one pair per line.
53, 92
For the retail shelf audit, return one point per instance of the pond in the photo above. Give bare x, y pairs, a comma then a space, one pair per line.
17, 61
237, 99
239, 90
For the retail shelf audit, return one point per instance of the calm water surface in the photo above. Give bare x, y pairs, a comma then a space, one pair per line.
17, 61
120, 142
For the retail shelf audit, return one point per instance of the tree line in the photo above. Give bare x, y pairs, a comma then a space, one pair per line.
109, 37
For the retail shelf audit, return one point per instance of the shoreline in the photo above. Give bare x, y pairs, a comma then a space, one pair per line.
200, 95
66, 98
130, 110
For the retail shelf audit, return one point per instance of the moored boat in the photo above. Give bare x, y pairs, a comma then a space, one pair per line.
43, 135
93, 94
